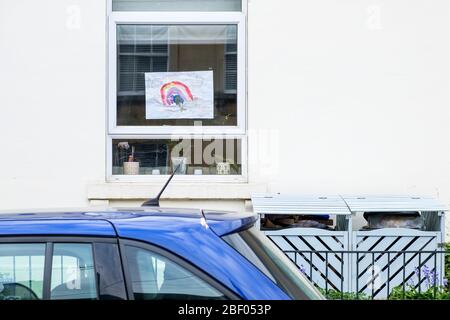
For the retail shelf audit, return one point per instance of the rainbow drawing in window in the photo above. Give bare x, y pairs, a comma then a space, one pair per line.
179, 95
175, 93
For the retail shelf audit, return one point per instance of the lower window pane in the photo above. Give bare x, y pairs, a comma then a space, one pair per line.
188, 156
21, 271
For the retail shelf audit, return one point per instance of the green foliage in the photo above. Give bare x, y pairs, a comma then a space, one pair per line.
432, 292
337, 295
411, 293
396, 294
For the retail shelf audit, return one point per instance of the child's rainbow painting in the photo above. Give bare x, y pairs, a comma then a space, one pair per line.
179, 95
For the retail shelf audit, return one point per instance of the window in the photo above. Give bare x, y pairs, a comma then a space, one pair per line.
163, 48
154, 277
164, 156
176, 77
21, 271
73, 274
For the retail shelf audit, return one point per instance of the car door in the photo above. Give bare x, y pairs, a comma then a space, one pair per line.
60, 268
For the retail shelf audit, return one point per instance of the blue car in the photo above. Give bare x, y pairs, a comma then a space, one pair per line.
147, 253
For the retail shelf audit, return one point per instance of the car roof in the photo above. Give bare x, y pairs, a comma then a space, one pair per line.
94, 213
104, 221
190, 234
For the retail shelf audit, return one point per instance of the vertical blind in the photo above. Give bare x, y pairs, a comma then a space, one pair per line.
141, 48
145, 48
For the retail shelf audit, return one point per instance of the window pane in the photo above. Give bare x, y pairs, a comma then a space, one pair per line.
267, 257
21, 271
156, 277
177, 5
151, 49
73, 274
161, 156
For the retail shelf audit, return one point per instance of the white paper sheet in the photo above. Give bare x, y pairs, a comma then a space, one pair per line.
179, 95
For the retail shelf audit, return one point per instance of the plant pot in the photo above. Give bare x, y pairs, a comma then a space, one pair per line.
131, 168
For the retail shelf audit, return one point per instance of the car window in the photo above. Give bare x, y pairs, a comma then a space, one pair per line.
265, 255
21, 271
73, 274
154, 277
111, 285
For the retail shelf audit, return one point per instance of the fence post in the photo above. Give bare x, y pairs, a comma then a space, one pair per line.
373, 274
404, 271
342, 275
326, 272
357, 275
388, 274
435, 277
420, 273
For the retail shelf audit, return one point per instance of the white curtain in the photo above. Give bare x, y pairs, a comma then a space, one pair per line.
177, 34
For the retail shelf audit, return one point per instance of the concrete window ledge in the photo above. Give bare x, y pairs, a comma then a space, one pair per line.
139, 191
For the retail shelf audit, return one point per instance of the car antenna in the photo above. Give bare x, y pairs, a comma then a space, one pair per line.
154, 202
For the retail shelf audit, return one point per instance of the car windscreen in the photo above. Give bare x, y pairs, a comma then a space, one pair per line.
264, 255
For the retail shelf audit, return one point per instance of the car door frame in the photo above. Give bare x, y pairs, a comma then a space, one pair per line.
123, 242
49, 242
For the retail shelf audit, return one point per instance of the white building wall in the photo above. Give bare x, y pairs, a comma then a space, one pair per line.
52, 101
355, 96
361, 103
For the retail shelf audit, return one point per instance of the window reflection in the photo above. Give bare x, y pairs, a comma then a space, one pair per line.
162, 156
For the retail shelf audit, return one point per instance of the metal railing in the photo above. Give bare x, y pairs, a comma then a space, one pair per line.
376, 274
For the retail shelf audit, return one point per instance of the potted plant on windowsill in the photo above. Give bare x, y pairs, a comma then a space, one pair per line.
130, 167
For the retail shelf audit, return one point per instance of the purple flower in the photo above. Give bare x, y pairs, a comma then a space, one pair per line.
302, 269
416, 271
430, 276
434, 277
445, 282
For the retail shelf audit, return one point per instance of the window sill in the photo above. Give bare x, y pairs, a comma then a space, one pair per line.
179, 190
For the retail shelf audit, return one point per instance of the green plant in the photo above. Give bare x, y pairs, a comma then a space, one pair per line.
411, 293
430, 279
332, 294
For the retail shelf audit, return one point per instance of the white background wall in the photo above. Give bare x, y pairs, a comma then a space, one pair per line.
355, 95
359, 92
52, 101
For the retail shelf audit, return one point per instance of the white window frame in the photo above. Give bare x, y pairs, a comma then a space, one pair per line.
181, 178
165, 132
116, 18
